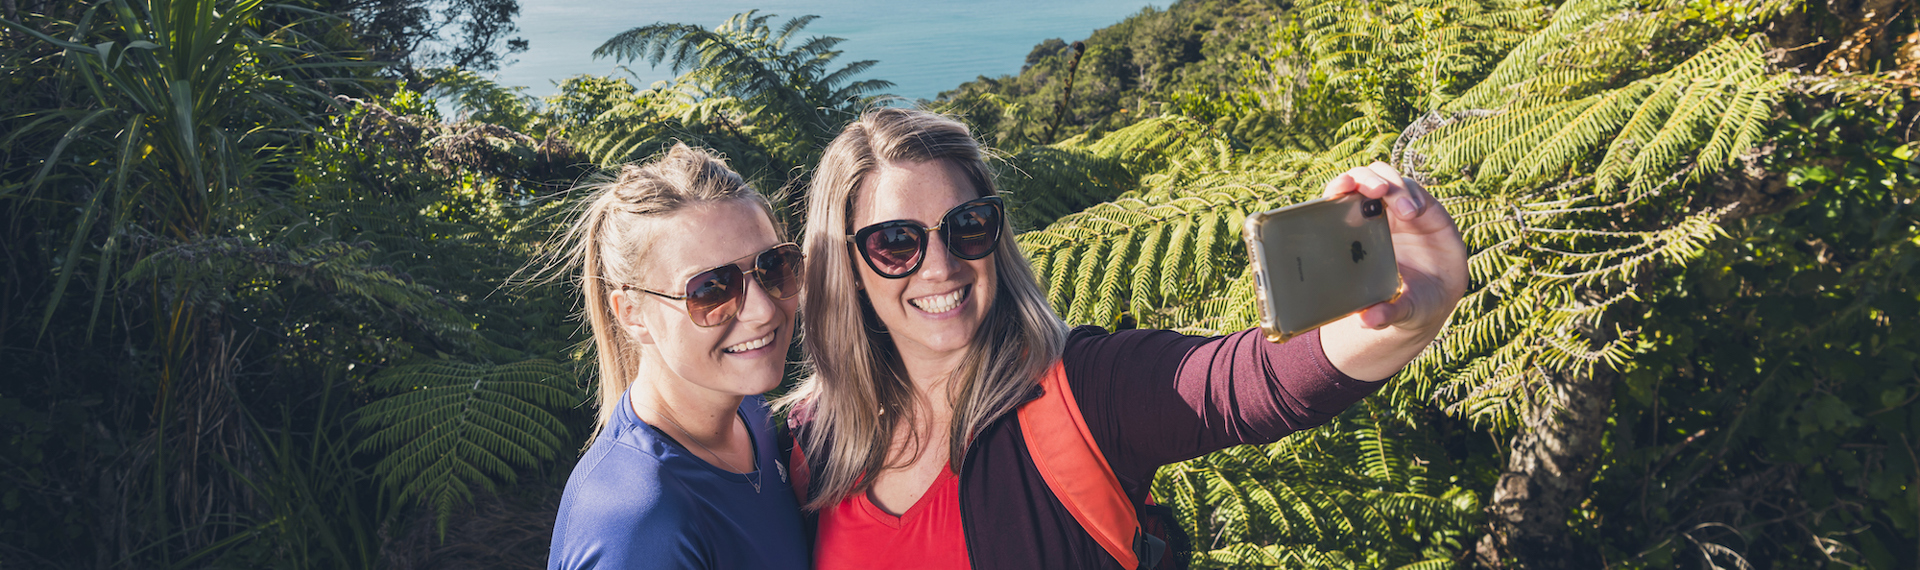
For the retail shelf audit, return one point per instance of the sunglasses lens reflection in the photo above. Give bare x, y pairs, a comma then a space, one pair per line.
710, 296
779, 271
895, 250
973, 232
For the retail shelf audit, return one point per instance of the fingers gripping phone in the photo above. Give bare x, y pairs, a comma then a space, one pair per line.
1316, 262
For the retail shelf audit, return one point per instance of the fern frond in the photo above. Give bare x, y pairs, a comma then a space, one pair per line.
451, 426
1667, 123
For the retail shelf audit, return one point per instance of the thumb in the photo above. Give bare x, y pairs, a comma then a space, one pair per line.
1383, 315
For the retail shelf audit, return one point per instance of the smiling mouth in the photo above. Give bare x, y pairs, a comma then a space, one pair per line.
749, 345
937, 304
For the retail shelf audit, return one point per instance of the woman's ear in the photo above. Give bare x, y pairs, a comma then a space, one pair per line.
626, 312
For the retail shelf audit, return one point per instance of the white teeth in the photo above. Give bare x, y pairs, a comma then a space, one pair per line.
751, 344
940, 303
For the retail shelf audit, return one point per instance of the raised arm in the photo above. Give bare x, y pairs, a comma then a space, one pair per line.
1157, 397
1153, 397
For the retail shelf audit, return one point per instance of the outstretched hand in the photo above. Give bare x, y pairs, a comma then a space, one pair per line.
1380, 340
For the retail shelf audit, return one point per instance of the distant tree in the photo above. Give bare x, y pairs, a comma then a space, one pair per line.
420, 35
1043, 50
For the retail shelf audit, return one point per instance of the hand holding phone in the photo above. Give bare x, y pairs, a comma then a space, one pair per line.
1378, 341
1318, 261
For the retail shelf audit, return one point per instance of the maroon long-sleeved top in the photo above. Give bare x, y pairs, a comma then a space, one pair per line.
1149, 398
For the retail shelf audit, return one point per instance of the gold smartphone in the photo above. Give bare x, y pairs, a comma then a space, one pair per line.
1318, 261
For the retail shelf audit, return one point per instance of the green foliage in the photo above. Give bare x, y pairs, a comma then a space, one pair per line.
1535, 185
182, 98
1778, 379
1177, 234
244, 238
320, 507
448, 425
650, 121
1596, 156
1711, 104
199, 273
454, 426
210, 213
1389, 62
1046, 182
583, 98
1182, 56
482, 100
743, 80
1371, 490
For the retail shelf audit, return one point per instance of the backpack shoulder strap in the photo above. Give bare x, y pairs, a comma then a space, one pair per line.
799, 477
1075, 470
796, 456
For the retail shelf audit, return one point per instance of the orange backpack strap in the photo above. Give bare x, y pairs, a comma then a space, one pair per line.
1075, 470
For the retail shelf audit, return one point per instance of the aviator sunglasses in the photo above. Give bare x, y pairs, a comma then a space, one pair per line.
714, 296
894, 249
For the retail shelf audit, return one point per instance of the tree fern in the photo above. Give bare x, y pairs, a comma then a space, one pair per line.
1160, 251
1722, 96
1570, 52
1429, 50
757, 83
453, 426
1046, 182
1359, 495
477, 98
1535, 142
1528, 183
653, 119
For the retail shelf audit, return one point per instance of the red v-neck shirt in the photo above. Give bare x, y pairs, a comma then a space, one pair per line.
857, 534
1149, 398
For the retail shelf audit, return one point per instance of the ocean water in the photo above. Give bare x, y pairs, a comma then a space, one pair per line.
924, 48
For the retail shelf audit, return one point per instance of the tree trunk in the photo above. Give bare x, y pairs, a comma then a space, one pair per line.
1552, 462
1060, 109
1864, 24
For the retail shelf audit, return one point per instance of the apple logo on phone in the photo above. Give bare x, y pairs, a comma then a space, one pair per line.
1359, 253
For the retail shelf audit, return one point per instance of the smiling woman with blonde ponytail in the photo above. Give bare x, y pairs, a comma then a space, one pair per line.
690, 290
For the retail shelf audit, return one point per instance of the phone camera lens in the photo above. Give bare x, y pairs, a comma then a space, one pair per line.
1371, 208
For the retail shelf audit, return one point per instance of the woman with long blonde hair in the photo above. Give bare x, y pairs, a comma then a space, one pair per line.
926, 333
690, 289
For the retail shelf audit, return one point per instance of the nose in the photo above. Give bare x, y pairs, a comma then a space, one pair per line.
940, 264
757, 305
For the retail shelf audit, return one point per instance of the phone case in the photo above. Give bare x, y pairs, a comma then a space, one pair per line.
1318, 261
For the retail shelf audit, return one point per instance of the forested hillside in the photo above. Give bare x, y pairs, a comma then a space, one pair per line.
264, 305
1182, 60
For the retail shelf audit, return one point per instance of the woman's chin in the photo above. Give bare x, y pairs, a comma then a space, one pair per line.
756, 383
943, 339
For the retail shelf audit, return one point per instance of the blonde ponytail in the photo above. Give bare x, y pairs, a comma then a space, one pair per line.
611, 234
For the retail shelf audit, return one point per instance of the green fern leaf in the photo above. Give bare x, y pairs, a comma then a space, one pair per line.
452, 426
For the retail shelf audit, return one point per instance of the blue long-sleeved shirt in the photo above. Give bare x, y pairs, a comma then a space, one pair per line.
638, 499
